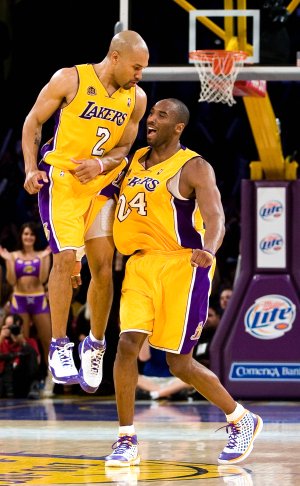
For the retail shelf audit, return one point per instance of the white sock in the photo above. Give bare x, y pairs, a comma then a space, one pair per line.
127, 430
154, 395
100, 341
236, 414
54, 340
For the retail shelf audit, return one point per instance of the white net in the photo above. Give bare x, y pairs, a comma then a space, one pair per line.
217, 72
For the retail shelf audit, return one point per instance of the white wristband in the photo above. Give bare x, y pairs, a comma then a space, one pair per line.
100, 164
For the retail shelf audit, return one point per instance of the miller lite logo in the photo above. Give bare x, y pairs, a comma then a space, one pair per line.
271, 243
271, 210
270, 317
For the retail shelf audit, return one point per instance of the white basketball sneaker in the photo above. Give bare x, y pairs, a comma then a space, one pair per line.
61, 363
243, 432
125, 452
90, 374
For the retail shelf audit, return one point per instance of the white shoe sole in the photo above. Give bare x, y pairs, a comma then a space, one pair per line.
115, 463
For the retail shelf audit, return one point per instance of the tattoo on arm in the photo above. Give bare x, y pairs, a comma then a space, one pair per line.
37, 140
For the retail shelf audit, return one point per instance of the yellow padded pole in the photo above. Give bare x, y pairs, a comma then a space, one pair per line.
266, 135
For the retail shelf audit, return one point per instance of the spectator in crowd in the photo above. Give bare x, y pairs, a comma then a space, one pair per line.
201, 351
224, 298
27, 271
155, 380
19, 360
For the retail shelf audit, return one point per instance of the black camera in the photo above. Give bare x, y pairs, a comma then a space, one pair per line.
15, 329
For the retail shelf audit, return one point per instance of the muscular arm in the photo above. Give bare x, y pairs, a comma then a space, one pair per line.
115, 156
61, 88
198, 179
89, 169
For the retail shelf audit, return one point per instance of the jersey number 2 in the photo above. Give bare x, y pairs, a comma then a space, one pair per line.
104, 134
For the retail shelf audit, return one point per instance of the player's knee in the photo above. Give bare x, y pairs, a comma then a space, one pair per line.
128, 346
179, 368
64, 260
101, 274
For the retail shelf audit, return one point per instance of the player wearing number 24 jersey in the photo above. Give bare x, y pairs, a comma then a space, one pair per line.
167, 197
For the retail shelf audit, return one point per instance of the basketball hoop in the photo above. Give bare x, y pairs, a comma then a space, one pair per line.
217, 72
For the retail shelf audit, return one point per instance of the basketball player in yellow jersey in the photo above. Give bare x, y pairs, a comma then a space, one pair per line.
167, 198
97, 112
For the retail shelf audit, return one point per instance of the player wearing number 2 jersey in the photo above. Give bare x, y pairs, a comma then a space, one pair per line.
97, 111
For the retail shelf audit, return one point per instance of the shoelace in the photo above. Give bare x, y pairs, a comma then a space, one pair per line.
233, 436
96, 357
122, 444
65, 354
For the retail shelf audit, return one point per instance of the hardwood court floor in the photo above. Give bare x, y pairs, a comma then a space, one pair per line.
63, 442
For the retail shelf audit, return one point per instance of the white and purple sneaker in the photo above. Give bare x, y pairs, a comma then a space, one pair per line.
90, 374
243, 432
61, 363
125, 452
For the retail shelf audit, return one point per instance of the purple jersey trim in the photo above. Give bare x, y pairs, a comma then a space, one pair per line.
44, 204
197, 312
189, 236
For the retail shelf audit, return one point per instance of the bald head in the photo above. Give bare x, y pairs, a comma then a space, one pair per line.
127, 41
127, 56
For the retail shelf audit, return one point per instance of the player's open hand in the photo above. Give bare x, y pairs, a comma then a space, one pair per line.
201, 258
35, 179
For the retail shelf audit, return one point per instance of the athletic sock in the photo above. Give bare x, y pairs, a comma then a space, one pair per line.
99, 341
127, 430
236, 414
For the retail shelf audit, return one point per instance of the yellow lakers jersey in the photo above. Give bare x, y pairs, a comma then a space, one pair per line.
91, 124
148, 216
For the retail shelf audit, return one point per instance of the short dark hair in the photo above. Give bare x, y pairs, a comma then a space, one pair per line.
183, 114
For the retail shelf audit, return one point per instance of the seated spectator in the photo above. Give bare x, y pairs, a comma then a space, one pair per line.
201, 351
155, 380
19, 360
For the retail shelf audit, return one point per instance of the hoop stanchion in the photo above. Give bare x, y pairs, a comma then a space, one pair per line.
217, 70
256, 88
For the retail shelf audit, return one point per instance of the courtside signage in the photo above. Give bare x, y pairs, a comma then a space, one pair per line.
270, 317
264, 372
271, 227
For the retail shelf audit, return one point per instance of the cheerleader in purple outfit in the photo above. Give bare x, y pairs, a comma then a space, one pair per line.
27, 271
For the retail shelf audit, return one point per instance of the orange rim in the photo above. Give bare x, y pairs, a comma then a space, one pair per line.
202, 55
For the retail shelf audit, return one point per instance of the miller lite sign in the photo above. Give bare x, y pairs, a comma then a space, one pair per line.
270, 317
271, 227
